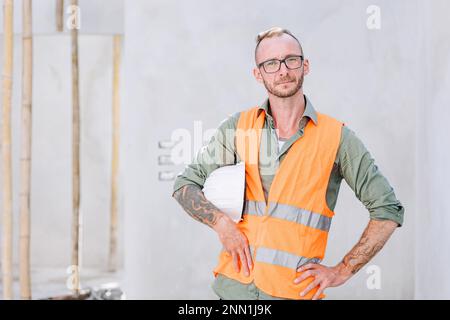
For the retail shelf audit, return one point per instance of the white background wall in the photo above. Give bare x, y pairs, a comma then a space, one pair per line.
51, 189
432, 258
191, 61
196, 65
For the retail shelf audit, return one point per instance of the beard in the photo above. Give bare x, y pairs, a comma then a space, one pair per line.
273, 89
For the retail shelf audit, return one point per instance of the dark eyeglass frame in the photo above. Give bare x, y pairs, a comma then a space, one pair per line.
282, 61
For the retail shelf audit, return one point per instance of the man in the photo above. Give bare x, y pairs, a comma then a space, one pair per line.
291, 189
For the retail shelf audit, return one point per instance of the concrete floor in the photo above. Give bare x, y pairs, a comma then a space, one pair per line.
47, 283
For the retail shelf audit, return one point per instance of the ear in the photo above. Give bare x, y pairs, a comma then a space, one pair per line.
257, 74
306, 67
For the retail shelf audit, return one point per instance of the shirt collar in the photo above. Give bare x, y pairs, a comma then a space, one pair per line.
309, 112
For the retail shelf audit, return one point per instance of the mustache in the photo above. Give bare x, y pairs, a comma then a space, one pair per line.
284, 80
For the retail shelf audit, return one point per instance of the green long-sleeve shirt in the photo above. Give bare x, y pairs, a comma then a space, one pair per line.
353, 163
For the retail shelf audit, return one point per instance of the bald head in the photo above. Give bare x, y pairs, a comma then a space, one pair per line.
268, 41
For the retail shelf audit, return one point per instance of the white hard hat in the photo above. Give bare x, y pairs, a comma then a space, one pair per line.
225, 188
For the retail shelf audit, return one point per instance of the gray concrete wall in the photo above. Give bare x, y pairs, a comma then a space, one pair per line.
432, 279
51, 186
51, 197
96, 16
187, 63
191, 61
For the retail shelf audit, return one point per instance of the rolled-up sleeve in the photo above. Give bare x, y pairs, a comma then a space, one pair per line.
218, 152
359, 170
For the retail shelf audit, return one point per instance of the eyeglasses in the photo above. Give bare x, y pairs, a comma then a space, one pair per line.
273, 65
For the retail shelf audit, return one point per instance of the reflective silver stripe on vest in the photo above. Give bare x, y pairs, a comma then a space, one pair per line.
256, 208
282, 258
301, 216
289, 213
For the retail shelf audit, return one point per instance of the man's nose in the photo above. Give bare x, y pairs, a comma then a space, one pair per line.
283, 68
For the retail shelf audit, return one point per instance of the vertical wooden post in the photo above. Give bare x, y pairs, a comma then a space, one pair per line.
7, 222
112, 264
25, 159
75, 158
59, 15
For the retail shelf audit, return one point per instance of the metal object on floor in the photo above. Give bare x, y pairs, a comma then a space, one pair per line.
107, 291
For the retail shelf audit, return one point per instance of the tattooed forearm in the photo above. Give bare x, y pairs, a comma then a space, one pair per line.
193, 201
372, 240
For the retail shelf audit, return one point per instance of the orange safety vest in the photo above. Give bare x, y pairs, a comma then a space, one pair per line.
292, 228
